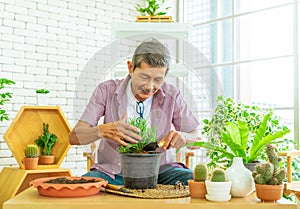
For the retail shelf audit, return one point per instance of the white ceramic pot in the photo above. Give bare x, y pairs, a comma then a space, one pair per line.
241, 177
218, 191
42, 99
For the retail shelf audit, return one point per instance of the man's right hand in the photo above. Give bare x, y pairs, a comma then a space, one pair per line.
120, 131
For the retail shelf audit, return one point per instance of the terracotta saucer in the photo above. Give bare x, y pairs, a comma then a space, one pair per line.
68, 190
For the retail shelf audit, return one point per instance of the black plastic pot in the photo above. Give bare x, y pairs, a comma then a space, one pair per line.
140, 171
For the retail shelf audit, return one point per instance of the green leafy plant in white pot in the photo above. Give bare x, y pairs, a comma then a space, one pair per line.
42, 96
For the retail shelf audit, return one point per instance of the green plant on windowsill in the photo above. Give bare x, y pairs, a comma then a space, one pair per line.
4, 97
148, 135
152, 8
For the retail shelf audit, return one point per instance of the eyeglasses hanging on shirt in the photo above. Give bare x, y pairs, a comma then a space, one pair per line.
140, 109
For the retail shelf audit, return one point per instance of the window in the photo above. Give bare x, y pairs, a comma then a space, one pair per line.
253, 46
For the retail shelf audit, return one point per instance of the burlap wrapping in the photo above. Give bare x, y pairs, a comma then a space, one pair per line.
160, 192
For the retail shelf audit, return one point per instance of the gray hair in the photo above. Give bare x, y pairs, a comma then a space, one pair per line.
153, 53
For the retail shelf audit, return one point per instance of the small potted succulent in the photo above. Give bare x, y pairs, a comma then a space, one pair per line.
42, 97
139, 167
197, 184
31, 157
269, 177
218, 187
46, 142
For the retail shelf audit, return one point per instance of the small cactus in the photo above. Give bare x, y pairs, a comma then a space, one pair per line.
269, 173
218, 175
31, 151
200, 172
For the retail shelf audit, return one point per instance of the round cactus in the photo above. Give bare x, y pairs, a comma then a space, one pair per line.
200, 172
31, 151
218, 175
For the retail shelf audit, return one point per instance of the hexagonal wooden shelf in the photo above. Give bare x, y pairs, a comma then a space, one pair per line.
28, 126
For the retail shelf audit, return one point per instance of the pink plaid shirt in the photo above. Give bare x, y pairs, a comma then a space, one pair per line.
109, 100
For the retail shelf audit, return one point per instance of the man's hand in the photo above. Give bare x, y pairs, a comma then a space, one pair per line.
173, 140
120, 131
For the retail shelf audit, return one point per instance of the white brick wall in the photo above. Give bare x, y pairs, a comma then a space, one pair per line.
45, 44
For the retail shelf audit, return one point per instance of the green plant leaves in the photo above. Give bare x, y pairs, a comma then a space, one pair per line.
148, 135
241, 130
152, 8
4, 97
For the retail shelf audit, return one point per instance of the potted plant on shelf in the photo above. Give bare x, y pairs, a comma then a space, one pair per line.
197, 184
152, 12
46, 142
4, 97
140, 168
31, 157
269, 177
42, 97
236, 130
218, 187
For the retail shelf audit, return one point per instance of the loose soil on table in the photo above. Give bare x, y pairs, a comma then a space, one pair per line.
63, 180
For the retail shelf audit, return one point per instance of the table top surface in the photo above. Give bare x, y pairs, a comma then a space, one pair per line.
30, 198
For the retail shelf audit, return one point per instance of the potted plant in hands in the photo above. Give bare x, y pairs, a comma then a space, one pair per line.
46, 142
197, 184
218, 187
31, 157
140, 168
269, 177
153, 11
42, 97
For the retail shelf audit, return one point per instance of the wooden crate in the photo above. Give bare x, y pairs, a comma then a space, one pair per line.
154, 19
28, 126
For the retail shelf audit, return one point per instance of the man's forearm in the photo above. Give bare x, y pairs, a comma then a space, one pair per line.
83, 135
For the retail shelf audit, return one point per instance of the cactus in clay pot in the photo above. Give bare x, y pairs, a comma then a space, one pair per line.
218, 175
31, 151
269, 173
200, 172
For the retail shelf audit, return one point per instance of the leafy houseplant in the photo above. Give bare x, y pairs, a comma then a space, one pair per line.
46, 142
4, 97
237, 130
42, 96
218, 187
197, 184
31, 157
269, 177
152, 8
139, 168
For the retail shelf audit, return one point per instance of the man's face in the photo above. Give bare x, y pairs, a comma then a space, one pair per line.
146, 80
